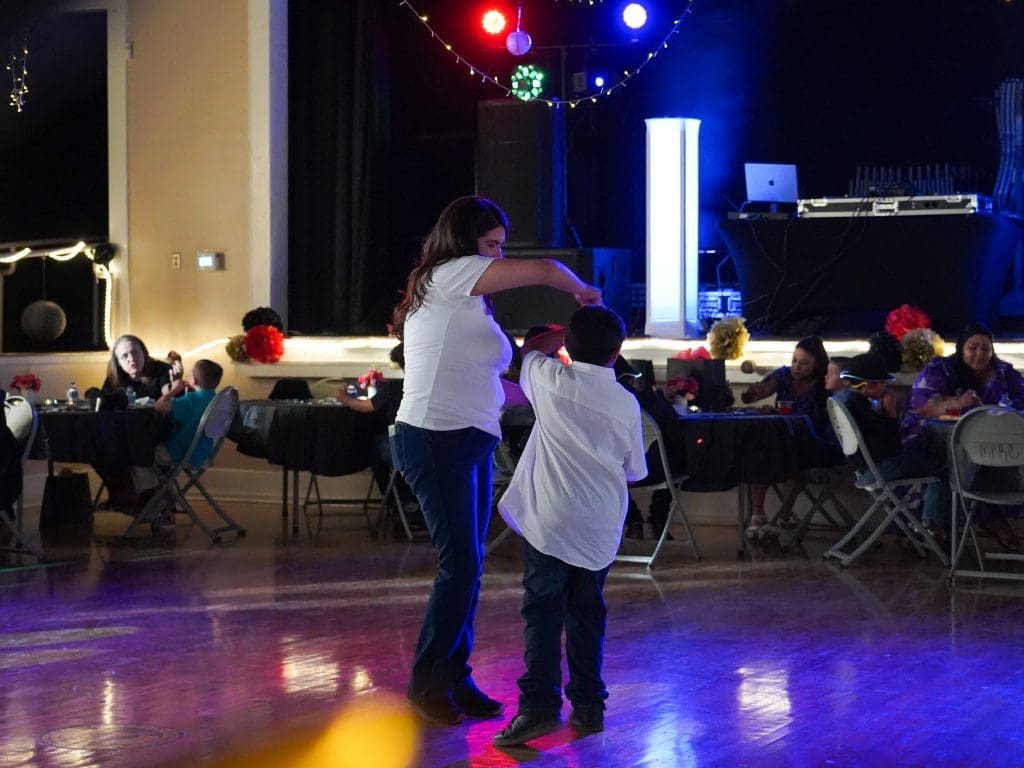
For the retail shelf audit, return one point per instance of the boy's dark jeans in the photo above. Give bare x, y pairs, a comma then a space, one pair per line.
557, 595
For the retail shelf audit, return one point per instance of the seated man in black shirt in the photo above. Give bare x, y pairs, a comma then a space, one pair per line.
655, 404
873, 409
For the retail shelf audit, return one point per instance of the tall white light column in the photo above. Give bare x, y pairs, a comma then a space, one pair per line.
672, 215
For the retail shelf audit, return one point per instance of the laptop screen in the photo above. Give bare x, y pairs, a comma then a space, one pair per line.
771, 183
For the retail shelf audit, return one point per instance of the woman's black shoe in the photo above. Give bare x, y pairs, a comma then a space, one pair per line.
474, 702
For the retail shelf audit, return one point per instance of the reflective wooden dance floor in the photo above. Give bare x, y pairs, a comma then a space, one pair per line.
253, 652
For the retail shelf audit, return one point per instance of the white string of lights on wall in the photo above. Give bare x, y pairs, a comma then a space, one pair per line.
18, 67
523, 87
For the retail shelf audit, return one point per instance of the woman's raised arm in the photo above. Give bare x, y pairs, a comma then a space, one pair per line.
504, 274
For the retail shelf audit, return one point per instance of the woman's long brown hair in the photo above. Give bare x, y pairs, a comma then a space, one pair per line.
460, 225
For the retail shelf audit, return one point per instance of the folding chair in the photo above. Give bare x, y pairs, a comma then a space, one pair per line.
672, 483
504, 468
984, 437
818, 486
214, 425
885, 498
23, 421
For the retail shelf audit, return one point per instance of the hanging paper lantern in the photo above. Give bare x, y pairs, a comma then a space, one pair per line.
43, 321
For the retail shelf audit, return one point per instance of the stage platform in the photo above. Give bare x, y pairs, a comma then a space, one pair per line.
349, 357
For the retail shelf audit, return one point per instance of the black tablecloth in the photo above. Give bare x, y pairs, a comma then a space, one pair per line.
324, 439
108, 440
842, 275
726, 449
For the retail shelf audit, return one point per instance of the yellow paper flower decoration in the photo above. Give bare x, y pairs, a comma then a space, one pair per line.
728, 338
921, 345
236, 349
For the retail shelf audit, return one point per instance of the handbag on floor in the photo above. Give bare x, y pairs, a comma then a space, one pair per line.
67, 501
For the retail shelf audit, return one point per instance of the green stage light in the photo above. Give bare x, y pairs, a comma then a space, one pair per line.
527, 82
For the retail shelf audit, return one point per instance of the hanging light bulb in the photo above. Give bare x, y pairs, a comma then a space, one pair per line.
518, 42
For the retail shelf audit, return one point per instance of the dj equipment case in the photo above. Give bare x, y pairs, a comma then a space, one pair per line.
921, 205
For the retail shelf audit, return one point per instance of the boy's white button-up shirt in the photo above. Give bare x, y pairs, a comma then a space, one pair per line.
568, 495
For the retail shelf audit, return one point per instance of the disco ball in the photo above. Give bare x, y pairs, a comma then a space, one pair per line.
518, 42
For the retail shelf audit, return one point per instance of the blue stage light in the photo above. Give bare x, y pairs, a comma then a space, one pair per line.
634, 15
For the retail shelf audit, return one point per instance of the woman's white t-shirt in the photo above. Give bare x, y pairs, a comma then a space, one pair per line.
454, 353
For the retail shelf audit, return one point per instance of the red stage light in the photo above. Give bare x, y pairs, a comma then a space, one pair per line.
493, 22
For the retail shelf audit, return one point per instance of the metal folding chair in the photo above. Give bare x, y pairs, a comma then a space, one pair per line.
504, 468
818, 486
176, 481
672, 483
991, 437
887, 507
23, 421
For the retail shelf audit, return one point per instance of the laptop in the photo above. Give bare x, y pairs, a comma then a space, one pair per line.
771, 183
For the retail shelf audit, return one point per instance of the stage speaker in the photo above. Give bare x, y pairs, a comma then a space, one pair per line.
520, 309
520, 165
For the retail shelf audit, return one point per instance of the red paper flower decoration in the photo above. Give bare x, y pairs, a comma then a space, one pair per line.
904, 319
371, 378
686, 387
25, 381
264, 344
696, 353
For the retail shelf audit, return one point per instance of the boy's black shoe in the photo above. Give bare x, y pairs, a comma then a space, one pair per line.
437, 711
589, 719
474, 702
527, 727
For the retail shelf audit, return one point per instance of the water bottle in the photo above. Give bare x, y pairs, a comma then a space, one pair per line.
72, 394
129, 393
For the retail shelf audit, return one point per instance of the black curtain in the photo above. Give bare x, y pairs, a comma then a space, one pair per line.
339, 280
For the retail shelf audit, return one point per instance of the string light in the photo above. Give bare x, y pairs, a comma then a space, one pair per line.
572, 103
18, 67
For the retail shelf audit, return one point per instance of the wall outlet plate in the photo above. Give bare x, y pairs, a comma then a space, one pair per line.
207, 260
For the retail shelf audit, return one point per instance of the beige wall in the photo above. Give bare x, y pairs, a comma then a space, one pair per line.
188, 171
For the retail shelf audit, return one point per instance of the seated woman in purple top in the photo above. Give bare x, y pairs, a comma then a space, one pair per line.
971, 376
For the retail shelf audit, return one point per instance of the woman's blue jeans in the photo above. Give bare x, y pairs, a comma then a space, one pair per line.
450, 473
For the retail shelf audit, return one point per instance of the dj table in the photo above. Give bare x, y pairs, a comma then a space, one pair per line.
840, 275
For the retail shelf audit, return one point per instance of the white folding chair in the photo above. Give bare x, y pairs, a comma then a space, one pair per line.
887, 505
23, 421
672, 483
985, 437
214, 425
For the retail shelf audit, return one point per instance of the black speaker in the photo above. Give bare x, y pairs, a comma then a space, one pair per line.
520, 165
520, 309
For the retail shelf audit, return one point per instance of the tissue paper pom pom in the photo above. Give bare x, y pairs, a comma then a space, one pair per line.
921, 345
904, 319
728, 338
264, 344
261, 316
693, 353
236, 348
